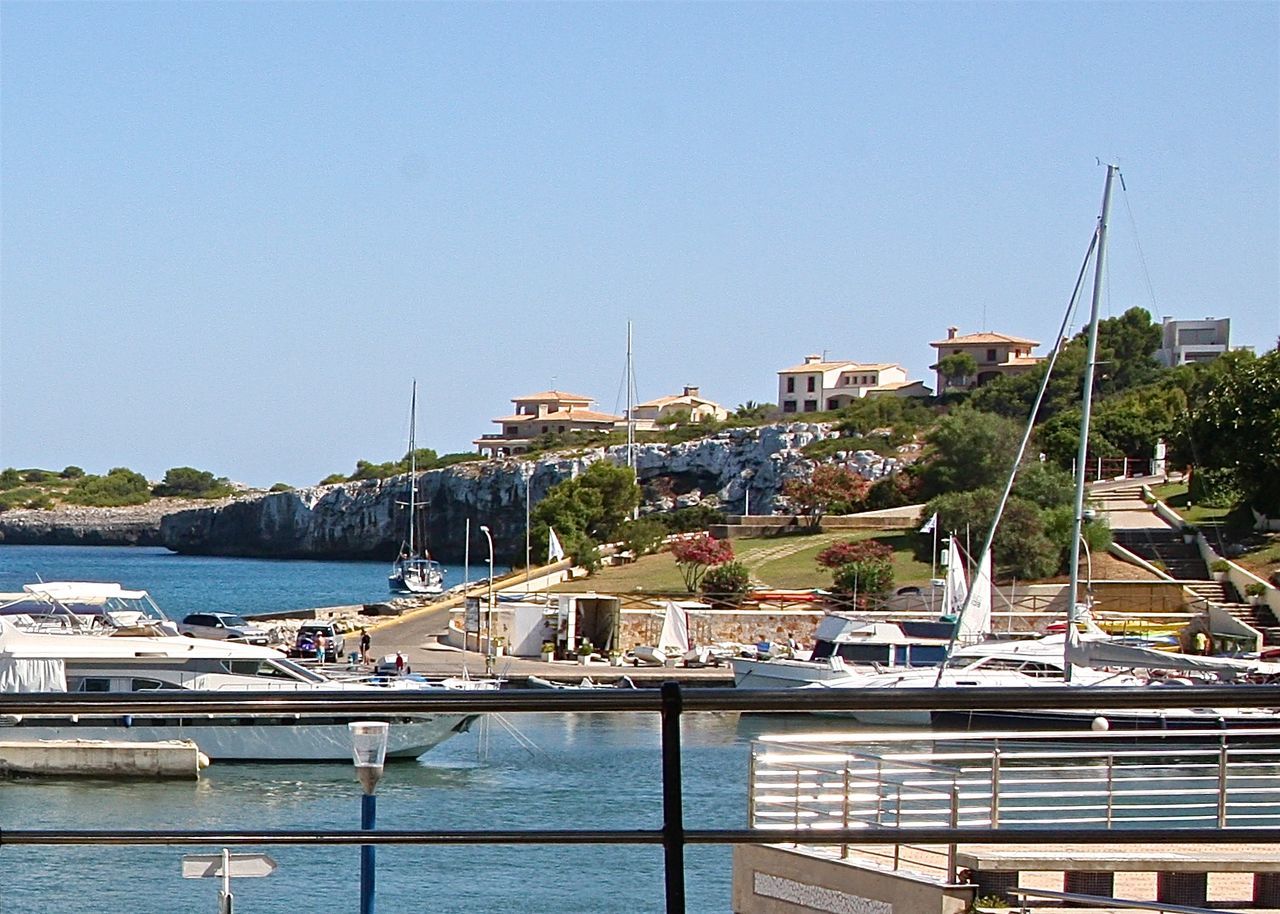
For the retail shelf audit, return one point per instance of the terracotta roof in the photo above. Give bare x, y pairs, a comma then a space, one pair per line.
1024, 360
830, 366
677, 398
563, 416
553, 395
975, 339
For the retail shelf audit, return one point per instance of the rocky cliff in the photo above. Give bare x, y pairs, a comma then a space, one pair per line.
74, 525
368, 519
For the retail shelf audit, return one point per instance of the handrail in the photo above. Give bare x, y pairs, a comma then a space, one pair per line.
696, 699
671, 701
1099, 901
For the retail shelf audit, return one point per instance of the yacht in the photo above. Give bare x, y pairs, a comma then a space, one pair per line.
41, 662
85, 607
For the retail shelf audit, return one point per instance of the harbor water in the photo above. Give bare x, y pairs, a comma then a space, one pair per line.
586, 771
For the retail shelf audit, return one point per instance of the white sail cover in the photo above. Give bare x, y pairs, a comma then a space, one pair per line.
675, 631
32, 674
1101, 652
956, 586
975, 621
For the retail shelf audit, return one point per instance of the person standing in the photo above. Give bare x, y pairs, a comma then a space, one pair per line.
399, 664
365, 642
322, 646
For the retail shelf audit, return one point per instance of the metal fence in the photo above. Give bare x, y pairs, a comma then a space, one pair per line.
930, 827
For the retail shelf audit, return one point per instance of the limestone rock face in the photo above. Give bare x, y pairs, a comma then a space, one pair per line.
369, 519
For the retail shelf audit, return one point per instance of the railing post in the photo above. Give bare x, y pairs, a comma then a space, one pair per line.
1111, 790
952, 868
995, 788
1222, 783
751, 789
672, 798
844, 812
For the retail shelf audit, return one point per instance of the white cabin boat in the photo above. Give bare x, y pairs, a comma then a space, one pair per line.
38, 662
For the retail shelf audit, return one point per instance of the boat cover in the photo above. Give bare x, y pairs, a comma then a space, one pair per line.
35, 674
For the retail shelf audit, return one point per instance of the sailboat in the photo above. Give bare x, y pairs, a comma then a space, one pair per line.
413, 572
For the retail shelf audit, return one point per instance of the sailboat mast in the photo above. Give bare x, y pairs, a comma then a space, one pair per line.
413, 464
1086, 402
631, 420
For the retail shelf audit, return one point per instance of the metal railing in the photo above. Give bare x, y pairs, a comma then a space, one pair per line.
671, 702
976, 781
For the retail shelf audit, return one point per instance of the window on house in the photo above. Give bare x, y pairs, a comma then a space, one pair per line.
511, 429
789, 406
812, 382
545, 429
791, 385
832, 404
559, 428
810, 406
991, 355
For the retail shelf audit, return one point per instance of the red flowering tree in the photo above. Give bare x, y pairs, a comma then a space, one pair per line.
838, 554
697, 554
829, 484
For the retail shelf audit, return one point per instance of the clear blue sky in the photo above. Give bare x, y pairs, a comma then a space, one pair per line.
233, 233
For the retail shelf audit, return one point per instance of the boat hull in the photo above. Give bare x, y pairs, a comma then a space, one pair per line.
292, 738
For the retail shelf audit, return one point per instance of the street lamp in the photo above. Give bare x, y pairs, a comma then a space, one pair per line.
368, 752
488, 651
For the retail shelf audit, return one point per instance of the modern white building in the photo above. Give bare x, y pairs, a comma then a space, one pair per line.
816, 385
1193, 341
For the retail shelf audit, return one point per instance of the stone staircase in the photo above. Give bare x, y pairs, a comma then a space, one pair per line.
1182, 562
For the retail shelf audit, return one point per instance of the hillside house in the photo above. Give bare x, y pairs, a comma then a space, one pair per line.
817, 385
549, 412
996, 355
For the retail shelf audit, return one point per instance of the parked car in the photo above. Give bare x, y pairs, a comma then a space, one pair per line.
310, 632
225, 627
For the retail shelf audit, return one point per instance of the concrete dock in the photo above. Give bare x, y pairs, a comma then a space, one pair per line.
171, 759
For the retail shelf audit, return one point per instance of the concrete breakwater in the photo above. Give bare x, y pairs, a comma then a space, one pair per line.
367, 519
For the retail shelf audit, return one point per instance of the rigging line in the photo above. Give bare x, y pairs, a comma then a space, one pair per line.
1137, 243
1022, 447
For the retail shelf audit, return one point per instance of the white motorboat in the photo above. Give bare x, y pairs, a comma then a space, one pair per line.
39, 662
85, 607
1030, 663
845, 644
415, 572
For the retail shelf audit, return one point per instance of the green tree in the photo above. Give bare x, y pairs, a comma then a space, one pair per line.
1126, 351
969, 449
826, 486
10, 478
643, 535
188, 482
593, 506
1237, 427
957, 369
72, 472
696, 554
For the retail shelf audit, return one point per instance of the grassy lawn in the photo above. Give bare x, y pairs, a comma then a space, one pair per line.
783, 562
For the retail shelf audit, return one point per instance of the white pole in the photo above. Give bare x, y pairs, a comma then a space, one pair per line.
1086, 405
528, 484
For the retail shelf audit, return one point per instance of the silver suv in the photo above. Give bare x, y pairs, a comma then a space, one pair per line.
224, 627
309, 632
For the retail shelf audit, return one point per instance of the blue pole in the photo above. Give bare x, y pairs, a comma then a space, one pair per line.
368, 818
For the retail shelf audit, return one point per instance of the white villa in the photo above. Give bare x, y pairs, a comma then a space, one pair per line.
548, 412
652, 413
817, 385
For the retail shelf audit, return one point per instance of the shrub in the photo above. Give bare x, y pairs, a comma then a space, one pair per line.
1221, 566
727, 583
188, 482
1214, 488
838, 554
642, 536
894, 491
1256, 589
871, 577
10, 478
281, 487
121, 486
332, 479
71, 472
691, 519
23, 498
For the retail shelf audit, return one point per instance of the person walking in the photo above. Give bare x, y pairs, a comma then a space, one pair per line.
365, 642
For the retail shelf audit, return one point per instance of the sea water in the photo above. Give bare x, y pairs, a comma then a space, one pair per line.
565, 771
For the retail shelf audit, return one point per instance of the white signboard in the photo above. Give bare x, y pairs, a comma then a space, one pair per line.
243, 866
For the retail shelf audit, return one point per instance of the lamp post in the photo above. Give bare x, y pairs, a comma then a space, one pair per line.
488, 651
368, 752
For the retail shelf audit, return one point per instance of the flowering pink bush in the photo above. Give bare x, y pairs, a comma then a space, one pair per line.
698, 553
